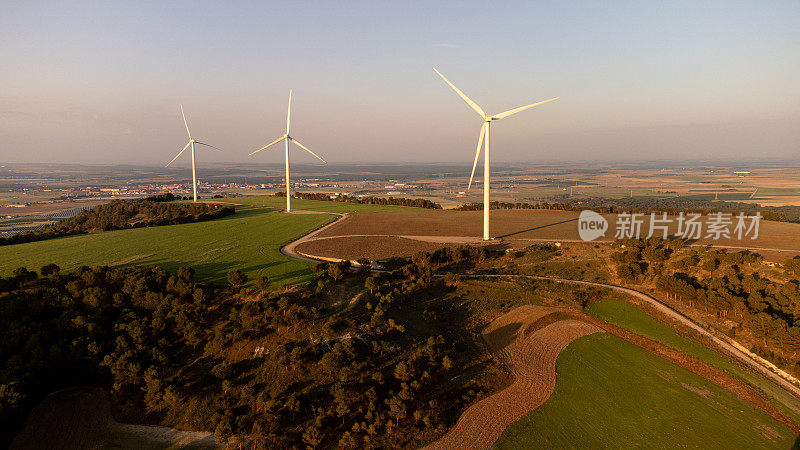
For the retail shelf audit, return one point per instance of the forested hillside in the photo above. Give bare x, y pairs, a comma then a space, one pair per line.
752, 299
347, 360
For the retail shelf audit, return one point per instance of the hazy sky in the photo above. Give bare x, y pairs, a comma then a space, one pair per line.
101, 81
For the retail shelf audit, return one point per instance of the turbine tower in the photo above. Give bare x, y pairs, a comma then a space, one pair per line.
190, 144
484, 137
286, 138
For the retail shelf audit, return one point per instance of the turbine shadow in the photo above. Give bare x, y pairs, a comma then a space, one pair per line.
538, 228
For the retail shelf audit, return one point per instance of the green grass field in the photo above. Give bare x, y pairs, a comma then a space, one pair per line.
632, 318
250, 241
612, 394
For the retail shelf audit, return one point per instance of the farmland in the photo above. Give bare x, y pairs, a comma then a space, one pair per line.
777, 241
611, 393
249, 241
630, 317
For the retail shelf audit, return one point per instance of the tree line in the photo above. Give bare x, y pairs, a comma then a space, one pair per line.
627, 205
123, 214
393, 201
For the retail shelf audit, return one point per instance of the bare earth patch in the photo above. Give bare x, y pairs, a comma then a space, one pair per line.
374, 248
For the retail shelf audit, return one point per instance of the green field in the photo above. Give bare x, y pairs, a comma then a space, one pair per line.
250, 241
632, 318
612, 394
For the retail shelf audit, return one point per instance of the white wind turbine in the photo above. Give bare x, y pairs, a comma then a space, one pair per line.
190, 144
487, 120
286, 138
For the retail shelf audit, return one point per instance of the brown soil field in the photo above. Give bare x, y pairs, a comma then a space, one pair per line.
777, 241
81, 418
374, 248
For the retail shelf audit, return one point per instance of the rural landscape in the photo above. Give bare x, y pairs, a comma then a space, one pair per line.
199, 254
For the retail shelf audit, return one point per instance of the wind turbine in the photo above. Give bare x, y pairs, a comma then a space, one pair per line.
190, 144
487, 121
286, 138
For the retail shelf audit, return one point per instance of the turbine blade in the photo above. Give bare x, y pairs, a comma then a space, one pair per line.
289, 112
466, 99
521, 108
185, 123
306, 149
179, 154
208, 145
477, 154
268, 145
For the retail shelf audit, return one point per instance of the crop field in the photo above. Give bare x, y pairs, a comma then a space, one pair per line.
611, 393
777, 241
374, 248
250, 241
632, 318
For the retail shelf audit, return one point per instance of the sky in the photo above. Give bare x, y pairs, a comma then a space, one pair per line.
101, 82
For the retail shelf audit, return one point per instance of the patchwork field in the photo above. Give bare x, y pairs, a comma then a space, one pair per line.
250, 241
777, 241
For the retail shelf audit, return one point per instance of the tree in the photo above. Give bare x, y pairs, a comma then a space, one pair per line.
236, 278
223, 432
312, 436
792, 266
371, 283
347, 440
50, 269
452, 279
335, 271
222, 371
402, 372
186, 274
447, 363
262, 283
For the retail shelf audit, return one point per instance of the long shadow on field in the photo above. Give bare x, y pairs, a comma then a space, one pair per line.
538, 228
503, 336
